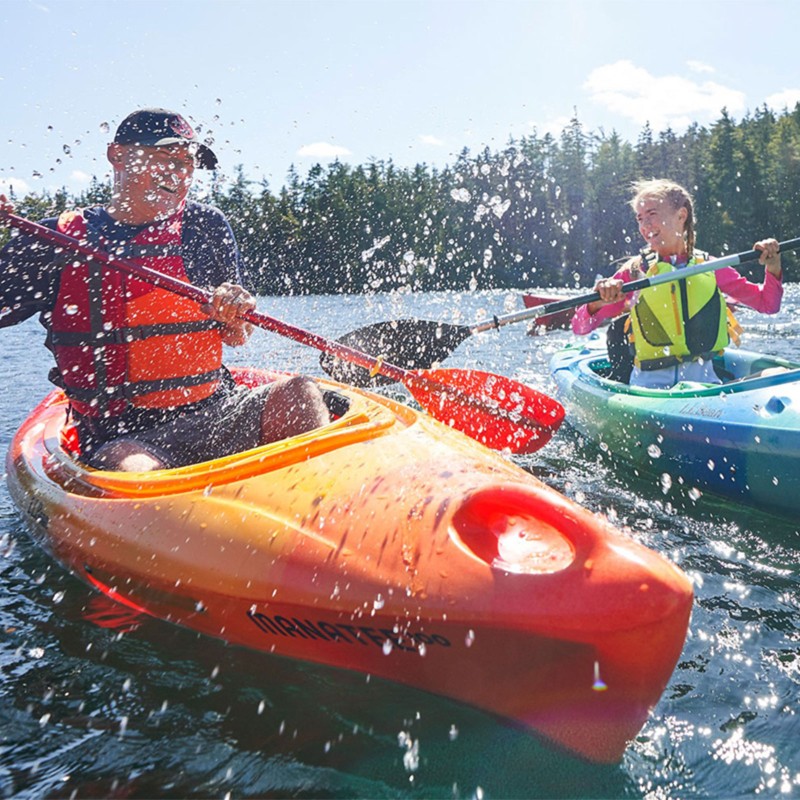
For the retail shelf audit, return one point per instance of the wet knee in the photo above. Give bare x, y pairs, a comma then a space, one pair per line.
305, 396
295, 405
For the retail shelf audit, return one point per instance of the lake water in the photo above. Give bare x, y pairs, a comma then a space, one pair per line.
92, 707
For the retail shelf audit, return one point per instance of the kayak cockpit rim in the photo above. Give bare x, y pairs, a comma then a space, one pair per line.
770, 372
364, 419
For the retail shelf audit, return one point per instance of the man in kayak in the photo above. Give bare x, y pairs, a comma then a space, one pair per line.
142, 367
676, 327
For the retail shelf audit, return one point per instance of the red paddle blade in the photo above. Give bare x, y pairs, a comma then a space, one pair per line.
499, 412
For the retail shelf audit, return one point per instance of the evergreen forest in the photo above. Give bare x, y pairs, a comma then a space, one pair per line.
543, 211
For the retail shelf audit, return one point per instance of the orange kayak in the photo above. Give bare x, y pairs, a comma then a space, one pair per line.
386, 543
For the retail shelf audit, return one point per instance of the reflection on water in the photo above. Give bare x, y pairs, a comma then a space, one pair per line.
99, 702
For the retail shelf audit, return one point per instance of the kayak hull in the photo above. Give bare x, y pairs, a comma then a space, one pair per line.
384, 543
739, 439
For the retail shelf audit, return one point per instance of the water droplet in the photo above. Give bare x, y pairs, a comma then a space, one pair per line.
71, 309
104, 127
666, 482
387, 647
453, 733
67, 149
654, 451
378, 603
58, 597
469, 639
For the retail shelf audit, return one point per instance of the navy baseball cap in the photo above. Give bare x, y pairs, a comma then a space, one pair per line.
156, 127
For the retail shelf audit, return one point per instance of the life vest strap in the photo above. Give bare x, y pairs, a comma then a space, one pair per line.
131, 390
673, 361
133, 333
129, 250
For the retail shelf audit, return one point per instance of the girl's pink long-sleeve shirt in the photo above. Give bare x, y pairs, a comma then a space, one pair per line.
765, 297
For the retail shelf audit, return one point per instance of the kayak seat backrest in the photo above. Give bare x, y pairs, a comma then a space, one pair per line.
602, 367
620, 353
69, 440
338, 405
721, 370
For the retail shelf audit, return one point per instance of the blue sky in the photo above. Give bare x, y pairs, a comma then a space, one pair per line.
276, 83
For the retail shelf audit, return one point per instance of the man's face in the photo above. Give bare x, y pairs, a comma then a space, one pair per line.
151, 183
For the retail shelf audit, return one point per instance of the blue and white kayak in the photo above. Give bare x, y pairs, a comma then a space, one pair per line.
740, 439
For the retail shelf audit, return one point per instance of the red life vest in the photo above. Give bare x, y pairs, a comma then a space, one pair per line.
120, 342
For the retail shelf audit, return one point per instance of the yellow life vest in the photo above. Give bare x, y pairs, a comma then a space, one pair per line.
683, 320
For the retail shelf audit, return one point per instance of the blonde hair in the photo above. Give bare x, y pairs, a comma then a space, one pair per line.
672, 193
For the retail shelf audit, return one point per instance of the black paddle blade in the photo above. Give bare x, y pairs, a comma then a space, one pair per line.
406, 343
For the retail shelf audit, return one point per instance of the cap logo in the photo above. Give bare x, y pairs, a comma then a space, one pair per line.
181, 127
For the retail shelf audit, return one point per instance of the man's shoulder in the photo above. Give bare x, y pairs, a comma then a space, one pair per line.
203, 214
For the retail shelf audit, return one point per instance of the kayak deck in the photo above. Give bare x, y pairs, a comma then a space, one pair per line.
385, 543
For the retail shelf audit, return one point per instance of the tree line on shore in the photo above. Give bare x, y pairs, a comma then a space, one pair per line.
543, 211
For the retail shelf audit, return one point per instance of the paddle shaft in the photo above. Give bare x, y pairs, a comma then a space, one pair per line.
203, 296
631, 286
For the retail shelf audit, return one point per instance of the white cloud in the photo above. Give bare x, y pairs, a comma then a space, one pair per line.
17, 185
663, 101
783, 99
322, 150
426, 138
80, 177
699, 66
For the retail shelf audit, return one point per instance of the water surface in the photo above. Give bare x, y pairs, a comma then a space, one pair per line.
94, 705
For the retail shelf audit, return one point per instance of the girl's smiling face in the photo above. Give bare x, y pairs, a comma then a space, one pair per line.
662, 226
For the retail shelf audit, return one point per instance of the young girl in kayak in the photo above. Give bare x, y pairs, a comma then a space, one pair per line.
676, 327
